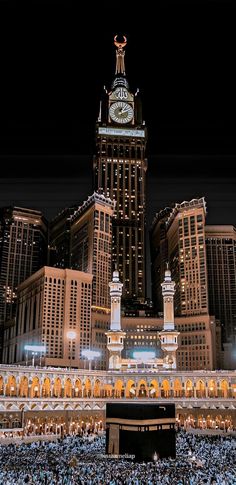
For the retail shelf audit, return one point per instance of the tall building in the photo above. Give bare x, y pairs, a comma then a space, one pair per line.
51, 303
23, 250
185, 238
81, 239
60, 239
120, 173
221, 265
159, 255
91, 239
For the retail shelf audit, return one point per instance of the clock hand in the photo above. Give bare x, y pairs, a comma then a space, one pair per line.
122, 111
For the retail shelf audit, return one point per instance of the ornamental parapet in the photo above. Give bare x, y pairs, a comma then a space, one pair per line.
51, 404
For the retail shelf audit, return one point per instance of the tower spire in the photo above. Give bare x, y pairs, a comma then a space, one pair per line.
120, 55
100, 112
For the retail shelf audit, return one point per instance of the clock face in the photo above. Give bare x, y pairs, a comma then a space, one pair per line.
121, 112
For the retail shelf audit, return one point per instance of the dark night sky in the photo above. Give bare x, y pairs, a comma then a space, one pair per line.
54, 63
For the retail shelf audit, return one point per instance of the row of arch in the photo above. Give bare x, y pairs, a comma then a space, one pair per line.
43, 388
209, 421
55, 424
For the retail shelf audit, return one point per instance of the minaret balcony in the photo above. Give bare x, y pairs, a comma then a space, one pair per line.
116, 347
170, 347
169, 327
168, 292
116, 293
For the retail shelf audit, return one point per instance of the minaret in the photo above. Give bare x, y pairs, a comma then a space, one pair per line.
115, 336
169, 336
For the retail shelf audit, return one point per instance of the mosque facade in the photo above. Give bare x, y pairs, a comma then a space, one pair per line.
62, 400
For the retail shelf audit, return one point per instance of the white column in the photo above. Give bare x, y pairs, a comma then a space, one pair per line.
115, 293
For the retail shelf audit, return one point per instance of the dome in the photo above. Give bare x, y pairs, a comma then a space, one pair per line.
120, 81
167, 275
115, 276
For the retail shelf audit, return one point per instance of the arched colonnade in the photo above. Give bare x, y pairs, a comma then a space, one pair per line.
46, 386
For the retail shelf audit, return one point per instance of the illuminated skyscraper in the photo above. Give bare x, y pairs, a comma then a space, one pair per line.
120, 173
221, 266
91, 238
60, 239
159, 255
51, 303
184, 232
23, 250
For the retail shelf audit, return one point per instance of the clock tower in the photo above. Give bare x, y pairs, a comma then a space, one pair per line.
120, 173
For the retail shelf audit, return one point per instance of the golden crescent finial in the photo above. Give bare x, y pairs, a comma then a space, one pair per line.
120, 45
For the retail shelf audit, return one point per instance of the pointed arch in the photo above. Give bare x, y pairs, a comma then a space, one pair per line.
78, 388
142, 388
190, 421
165, 388
228, 422
119, 388
4, 423
68, 388
200, 388
16, 423
154, 389
200, 421
218, 421
209, 421
24, 387
224, 388
189, 388
177, 387
35, 387
57, 389
11, 388
87, 388
130, 390
46, 387
97, 388
212, 388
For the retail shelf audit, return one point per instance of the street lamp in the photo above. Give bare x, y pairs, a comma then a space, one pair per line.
90, 355
71, 335
35, 349
33, 354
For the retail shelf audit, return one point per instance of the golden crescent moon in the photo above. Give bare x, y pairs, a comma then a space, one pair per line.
120, 45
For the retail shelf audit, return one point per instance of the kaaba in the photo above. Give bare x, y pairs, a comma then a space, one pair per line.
144, 431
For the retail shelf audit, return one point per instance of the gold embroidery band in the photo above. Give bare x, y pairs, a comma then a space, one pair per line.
140, 422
